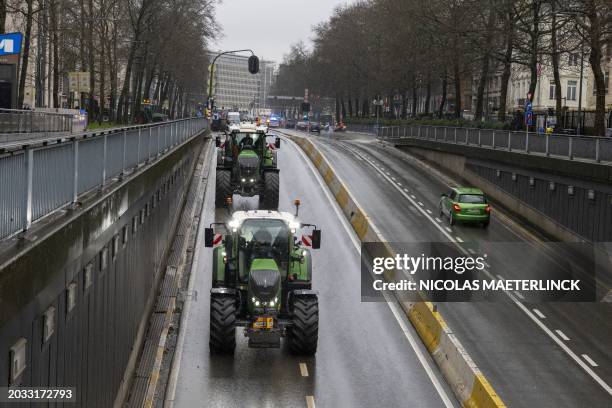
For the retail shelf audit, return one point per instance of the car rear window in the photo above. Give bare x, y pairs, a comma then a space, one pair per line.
472, 199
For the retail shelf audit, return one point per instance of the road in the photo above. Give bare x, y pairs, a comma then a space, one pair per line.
368, 353
535, 355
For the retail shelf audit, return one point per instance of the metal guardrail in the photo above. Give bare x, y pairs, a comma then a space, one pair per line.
596, 149
27, 121
39, 179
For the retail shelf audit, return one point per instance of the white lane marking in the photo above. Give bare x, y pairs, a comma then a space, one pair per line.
425, 362
420, 203
542, 326
500, 277
487, 264
562, 335
310, 401
471, 251
590, 360
184, 319
438, 220
458, 239
519, 295
413, 196
393, 178
449, 230
303, 370
399, 184
428, 211
406, 190
540, 314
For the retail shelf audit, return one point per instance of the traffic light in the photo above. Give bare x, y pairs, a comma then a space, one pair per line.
253, 64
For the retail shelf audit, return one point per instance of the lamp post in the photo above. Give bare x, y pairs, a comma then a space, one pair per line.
253, 69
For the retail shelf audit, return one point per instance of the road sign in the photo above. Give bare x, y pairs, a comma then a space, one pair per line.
10, 44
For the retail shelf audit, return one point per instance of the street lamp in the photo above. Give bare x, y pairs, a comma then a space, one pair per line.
253, 69
377, 103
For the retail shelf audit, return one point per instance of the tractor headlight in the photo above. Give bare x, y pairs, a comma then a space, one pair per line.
257, 303
233, 224
252, 180
271, 303
294, 225
243, 180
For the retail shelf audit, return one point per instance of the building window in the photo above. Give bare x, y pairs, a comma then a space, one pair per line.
551, 90
571, 90
572, 59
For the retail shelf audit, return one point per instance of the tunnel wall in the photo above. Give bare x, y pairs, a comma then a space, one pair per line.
77, 289
566, 206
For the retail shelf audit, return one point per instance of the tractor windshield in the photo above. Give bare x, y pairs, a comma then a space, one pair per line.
263, 239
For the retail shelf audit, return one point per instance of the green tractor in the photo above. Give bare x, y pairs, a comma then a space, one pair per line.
262, 281
247, 166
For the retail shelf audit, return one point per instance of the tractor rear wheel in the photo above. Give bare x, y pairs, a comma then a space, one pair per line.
268, 200
304, 333
223, 188
222, 324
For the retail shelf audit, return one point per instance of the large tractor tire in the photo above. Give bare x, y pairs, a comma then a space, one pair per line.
223, 188
222, 324
268, 200
304, 333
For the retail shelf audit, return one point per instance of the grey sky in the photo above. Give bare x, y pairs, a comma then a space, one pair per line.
269, 27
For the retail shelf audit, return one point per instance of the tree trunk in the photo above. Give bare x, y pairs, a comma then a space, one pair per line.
2, 16
55, 32
350, 107
533, 58
505, 78
91, 62
427, 96
404, 105
457, 78
26, 53
343, 109
443, 99
600, 87
555, 62
414, 98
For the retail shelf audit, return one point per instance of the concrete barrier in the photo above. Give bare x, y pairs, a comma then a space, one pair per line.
468, 383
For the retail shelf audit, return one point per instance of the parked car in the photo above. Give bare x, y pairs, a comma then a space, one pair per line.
465, 204
290, 124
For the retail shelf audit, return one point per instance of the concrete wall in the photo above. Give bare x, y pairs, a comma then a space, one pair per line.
566, 205
108, 256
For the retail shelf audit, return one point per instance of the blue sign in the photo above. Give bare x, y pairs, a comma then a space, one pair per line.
10, 43
528, 113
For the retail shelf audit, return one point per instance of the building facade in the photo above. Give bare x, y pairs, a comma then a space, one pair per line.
234, 87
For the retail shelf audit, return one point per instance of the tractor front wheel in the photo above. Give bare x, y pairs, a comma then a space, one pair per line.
269, 198
223, 188
304, 333
222, 324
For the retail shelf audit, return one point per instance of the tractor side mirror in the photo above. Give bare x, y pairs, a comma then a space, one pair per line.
217, 141
277, 143
209, 237
316, 239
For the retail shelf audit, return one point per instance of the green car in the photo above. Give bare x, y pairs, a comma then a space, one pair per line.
465, 204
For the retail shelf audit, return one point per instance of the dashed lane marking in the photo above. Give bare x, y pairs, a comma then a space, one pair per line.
303, 370
439, 220
540, 314
562, 335
429, 211
590, 360
519, 295
458, 239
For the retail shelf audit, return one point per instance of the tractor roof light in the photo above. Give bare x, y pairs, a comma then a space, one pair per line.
233, 224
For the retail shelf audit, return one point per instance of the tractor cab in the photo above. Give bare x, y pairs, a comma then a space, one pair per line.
247, 165
262, 276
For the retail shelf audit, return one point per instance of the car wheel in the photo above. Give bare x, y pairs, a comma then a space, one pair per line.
441, 212
451, 219
485, 224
